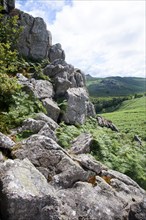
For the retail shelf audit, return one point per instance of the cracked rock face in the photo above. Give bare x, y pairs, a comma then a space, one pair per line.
55, 52
71, 187
35, 39
76, 110
26, 193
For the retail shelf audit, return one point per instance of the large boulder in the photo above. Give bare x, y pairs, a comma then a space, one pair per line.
6, 142
25, 193
35, 39
76, 110
48, 132
54, 162
50, 122
101, 200
56, 52
84, 188
41, 89
32, 125
64, 76
82, 144
52, 108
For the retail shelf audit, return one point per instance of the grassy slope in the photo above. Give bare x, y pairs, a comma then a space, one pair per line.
115, 86
117, 150
130, 118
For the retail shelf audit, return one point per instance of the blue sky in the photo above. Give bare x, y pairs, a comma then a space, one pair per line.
102, 38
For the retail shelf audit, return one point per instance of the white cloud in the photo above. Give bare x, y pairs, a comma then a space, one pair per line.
101, 37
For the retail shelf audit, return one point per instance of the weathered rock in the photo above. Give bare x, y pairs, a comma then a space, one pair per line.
25, 193
46, 131
68, 173
50, 122
56, 52
76, 111
138, 211
40, 150
51, 70
106, 123
34, 40
90, 110
67, 67
41, 89
136, 138
8, 5
21, 78
79, 78
6, 142
52, 108
32, 125
61, 86
126, 188
88, 162
81, 144
51, 160
64, 76
85, 188
83, 201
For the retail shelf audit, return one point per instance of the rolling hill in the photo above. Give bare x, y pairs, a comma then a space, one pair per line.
115, 86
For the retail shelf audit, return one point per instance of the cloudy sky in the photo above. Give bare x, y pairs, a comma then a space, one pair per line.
101, 37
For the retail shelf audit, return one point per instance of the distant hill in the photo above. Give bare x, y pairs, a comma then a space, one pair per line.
115, 86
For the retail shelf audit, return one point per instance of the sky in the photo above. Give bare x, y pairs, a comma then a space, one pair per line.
101, 37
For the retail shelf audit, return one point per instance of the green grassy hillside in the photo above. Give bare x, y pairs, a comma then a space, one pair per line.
115, 86
130, 118
117, 150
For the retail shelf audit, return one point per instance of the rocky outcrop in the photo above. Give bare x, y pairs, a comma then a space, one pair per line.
35, 39
82, 144
106, 123
41, 89
38, 126
41, 180
55, 52
64, 76
49, 121
64, 185
76, 106
8, 5
67, 83
25, 193
53, 111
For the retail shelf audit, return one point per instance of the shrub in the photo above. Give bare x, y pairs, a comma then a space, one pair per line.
8, 87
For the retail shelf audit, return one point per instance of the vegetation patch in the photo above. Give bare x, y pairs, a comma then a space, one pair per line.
117, 150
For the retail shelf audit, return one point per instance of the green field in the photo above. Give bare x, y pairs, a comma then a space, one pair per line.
130, 118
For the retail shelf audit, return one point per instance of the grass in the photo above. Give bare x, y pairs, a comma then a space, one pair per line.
130, 118
117, 150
